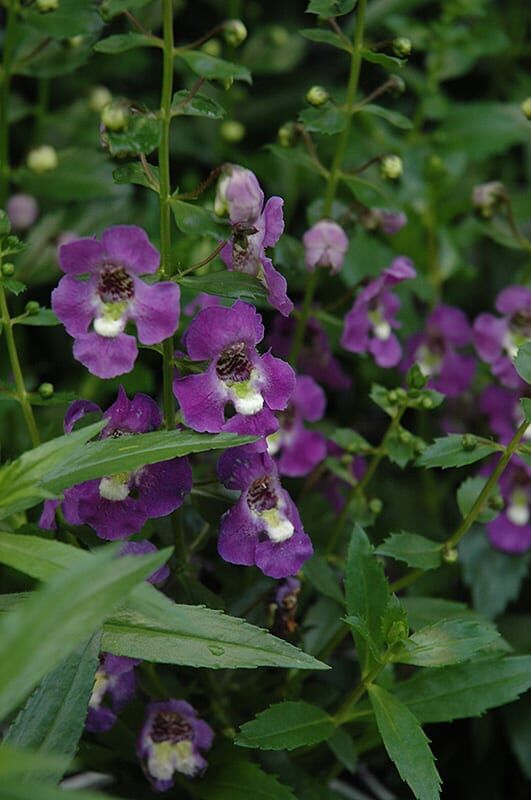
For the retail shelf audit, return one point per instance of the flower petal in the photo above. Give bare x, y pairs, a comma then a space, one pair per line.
163, 486
238, 535
139, 415
105, 357
74, 302
355, 336
306, 450
77, 411
278, 381
273, 221
308, 398
276, 285
386, 352
215, 329
202, 399
129, 246
155, 310
81, 256
282, 559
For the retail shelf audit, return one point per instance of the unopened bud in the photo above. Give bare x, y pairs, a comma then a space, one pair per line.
100, 97
235, 32
8, 270
286, 134
317, 96
450, 555
114, 117
42, 159
496, 502
426, 403
469, 442
402, 47
212, 48
227, 83
375, 505
401, 394
32, 308
22, 210
526, 107
279, 36
415, 378
47, 5
391, 167
397, 84
397, 632
392, 396
46, 390
75, 41
232, 131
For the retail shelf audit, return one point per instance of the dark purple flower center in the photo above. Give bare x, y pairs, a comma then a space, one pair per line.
233, 365
115, 285
261, 495
287, 418
521, 323
170, 726
436, 343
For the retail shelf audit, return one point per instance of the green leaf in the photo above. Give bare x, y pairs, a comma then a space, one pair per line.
447, 642
401, 446
367, 592
415, 550
322, 576
57, 399
465, 690
328, 119
393, 117
322, 36
331, 8
52, 719
13, 286
19, 763
134, 173
126, 41
522, 362
240, 781
44, 318
110, 8
463, 129
448, 451
467, 494
350, 440
38, 635
406, 744
423, 611
70, 18
342, 747
526, 406
16, 790
196, 220
237, 285
388, 62
285, 726
81, 174
212, 68
142, 135
197, 106
518, 728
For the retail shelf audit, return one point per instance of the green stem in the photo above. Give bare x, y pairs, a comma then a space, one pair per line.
17, 371
335, 172
356, 694
5, 80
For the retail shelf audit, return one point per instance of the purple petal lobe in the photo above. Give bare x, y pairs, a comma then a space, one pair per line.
129, 246
104, 357
81, 256
155, 310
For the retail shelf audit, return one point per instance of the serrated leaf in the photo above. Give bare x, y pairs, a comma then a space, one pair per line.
322, 576
383, 60
53, 718
342, 746
401, 446
360, 628
331, 8
212, 68
44, 318
241, 780
197, 106
322, 36
467, 494
13, 286
393, 117
350, 440
142, 135
328, 119
423, 611
20, 762
70, 18
122, 42
417, 551
196, 220
522, 362
236, 285
465, 690
134, 173
447, 642
406, 744
448, 451
285, 726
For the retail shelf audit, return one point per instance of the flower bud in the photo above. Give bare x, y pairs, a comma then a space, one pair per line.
8, 270
239, 195
317, 96
397, 84
42, 159
227, 83
235, 32
325, 245
391, 167
232, 131
75, 41
404, 437
402, 47
427, 403
469, 442
279, 36
114, 117
450, 555
389, 222
526, 107
415, 378
46, 390
100, 97
487, 197
32, 308
47, 5
286, 134
375, 505
22, 210
212, 48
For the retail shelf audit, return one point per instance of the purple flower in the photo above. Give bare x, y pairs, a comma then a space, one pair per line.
22, 210
390, 222
102, 288
171, 740
119, 505
115, 682
504, 410
325, 245
435, 351
497, 339
254, 385
299, 450
141, 548
284, 608
316, 357
370, 322
511, 530
239, 195
202, 300
264, 527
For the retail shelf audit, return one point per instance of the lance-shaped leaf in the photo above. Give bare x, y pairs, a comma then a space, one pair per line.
18, 790
455, 450
321, 575
240, 781
522, 362
212, 68
126, 41
20, 762
448, 642
286, 726
406, 744
415, 550
235, 285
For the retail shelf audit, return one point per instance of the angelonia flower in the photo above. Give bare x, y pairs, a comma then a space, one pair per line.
22, 210
370, 322
202, 300
255, 227
119, 505
325, 245
504, 411
511, 530
299, 450
316, 357
102, 290
435, 351
142, 548
486, 197
254, 385
263, 527
390, 222
172, 740
497, 339
114, 687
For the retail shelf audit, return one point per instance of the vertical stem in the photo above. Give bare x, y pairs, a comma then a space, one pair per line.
164, 198
5, 80
17, 371
335, 171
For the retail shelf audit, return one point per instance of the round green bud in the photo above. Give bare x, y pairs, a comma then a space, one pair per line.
114, 117
526, 107
317, 96
401, 394
415, 378
47, 5
450, 555
402, 47
469, 442
232, 131
375, 505
235, 32
420, 446
42, 159
99, 97
404, 436
75, 41
496, 502
426, 403
279, 36
8, 270
286, 135
212, 48
46, 390
391, 167
32, 308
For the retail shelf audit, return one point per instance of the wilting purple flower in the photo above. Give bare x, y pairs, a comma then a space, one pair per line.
435, 351
497, 339
239, 195
254, 385
284, 608
115, 683
370, 322
390, 222
102, 288
511, 530
22, 210
141, 548
299, 450
325, 245
263, 527
315, 358
119, 505
171, 740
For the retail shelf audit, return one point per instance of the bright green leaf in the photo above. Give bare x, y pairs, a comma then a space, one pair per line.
142, 135
212, 68
383, 60
448, 451
467, 495
241, 780
196, 220
448, 642
197, 106
331, 8
522, 362
322, 36
415, 550
126, 41
236, 285
285, 726
19, 763
134, 173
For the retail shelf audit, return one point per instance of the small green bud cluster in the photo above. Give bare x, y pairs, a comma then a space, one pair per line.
450, 555
415, 378
32, 308
287, 134
99, 97
42, 159
391, 167
526, 107
234, 32
115, 116
469, 442
212, 48
317, 96
5, 223
402, 47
